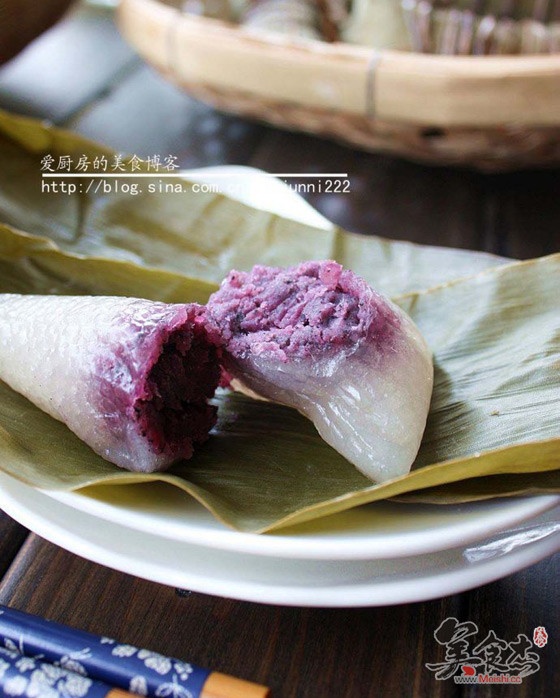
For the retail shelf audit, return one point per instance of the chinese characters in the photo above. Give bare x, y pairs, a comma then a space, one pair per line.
116, 163
491, 656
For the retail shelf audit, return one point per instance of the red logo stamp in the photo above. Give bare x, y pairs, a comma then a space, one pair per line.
540, 637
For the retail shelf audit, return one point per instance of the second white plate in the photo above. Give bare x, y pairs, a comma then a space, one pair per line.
276, 580
381, 530
374, 531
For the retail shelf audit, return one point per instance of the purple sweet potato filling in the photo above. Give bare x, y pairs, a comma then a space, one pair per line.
173, 414
298, 312
159, 379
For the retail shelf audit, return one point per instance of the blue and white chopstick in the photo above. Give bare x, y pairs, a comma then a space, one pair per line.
24, 676
114, 664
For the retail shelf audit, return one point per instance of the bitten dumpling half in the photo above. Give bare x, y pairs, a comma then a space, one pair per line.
318, 338
130, 377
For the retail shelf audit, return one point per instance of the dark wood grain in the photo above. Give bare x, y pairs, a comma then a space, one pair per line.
388, 197
12, 536
81, 74
518, 604
303, 653
521, 214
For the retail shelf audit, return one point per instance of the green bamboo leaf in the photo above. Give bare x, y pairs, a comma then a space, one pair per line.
480, 488
494, 424
195, 234
495, 411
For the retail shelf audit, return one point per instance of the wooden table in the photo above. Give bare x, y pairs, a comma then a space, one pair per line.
81, 75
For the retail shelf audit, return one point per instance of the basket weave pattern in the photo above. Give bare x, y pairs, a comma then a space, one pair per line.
492, 113
486, 149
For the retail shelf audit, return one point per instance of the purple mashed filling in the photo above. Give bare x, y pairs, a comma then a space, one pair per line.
162, 379
298, 312
174, 414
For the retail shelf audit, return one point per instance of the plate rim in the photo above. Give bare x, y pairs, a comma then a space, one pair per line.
393, 592
301, 547
276, 544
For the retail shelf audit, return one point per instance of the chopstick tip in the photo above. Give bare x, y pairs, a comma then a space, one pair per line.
223, 686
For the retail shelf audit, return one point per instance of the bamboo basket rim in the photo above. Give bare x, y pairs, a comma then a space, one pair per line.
392, 86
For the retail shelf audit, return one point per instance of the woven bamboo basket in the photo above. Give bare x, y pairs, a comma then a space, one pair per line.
489, 112
21, 21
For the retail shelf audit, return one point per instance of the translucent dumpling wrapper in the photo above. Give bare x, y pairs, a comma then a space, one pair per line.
130, 377
455, 27
294, 18
318, 338
377, 23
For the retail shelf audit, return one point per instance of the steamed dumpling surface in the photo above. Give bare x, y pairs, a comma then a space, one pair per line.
318, 338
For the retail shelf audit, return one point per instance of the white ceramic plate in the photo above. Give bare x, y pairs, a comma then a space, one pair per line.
381, 530
375, 531
161, 534
277, 580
